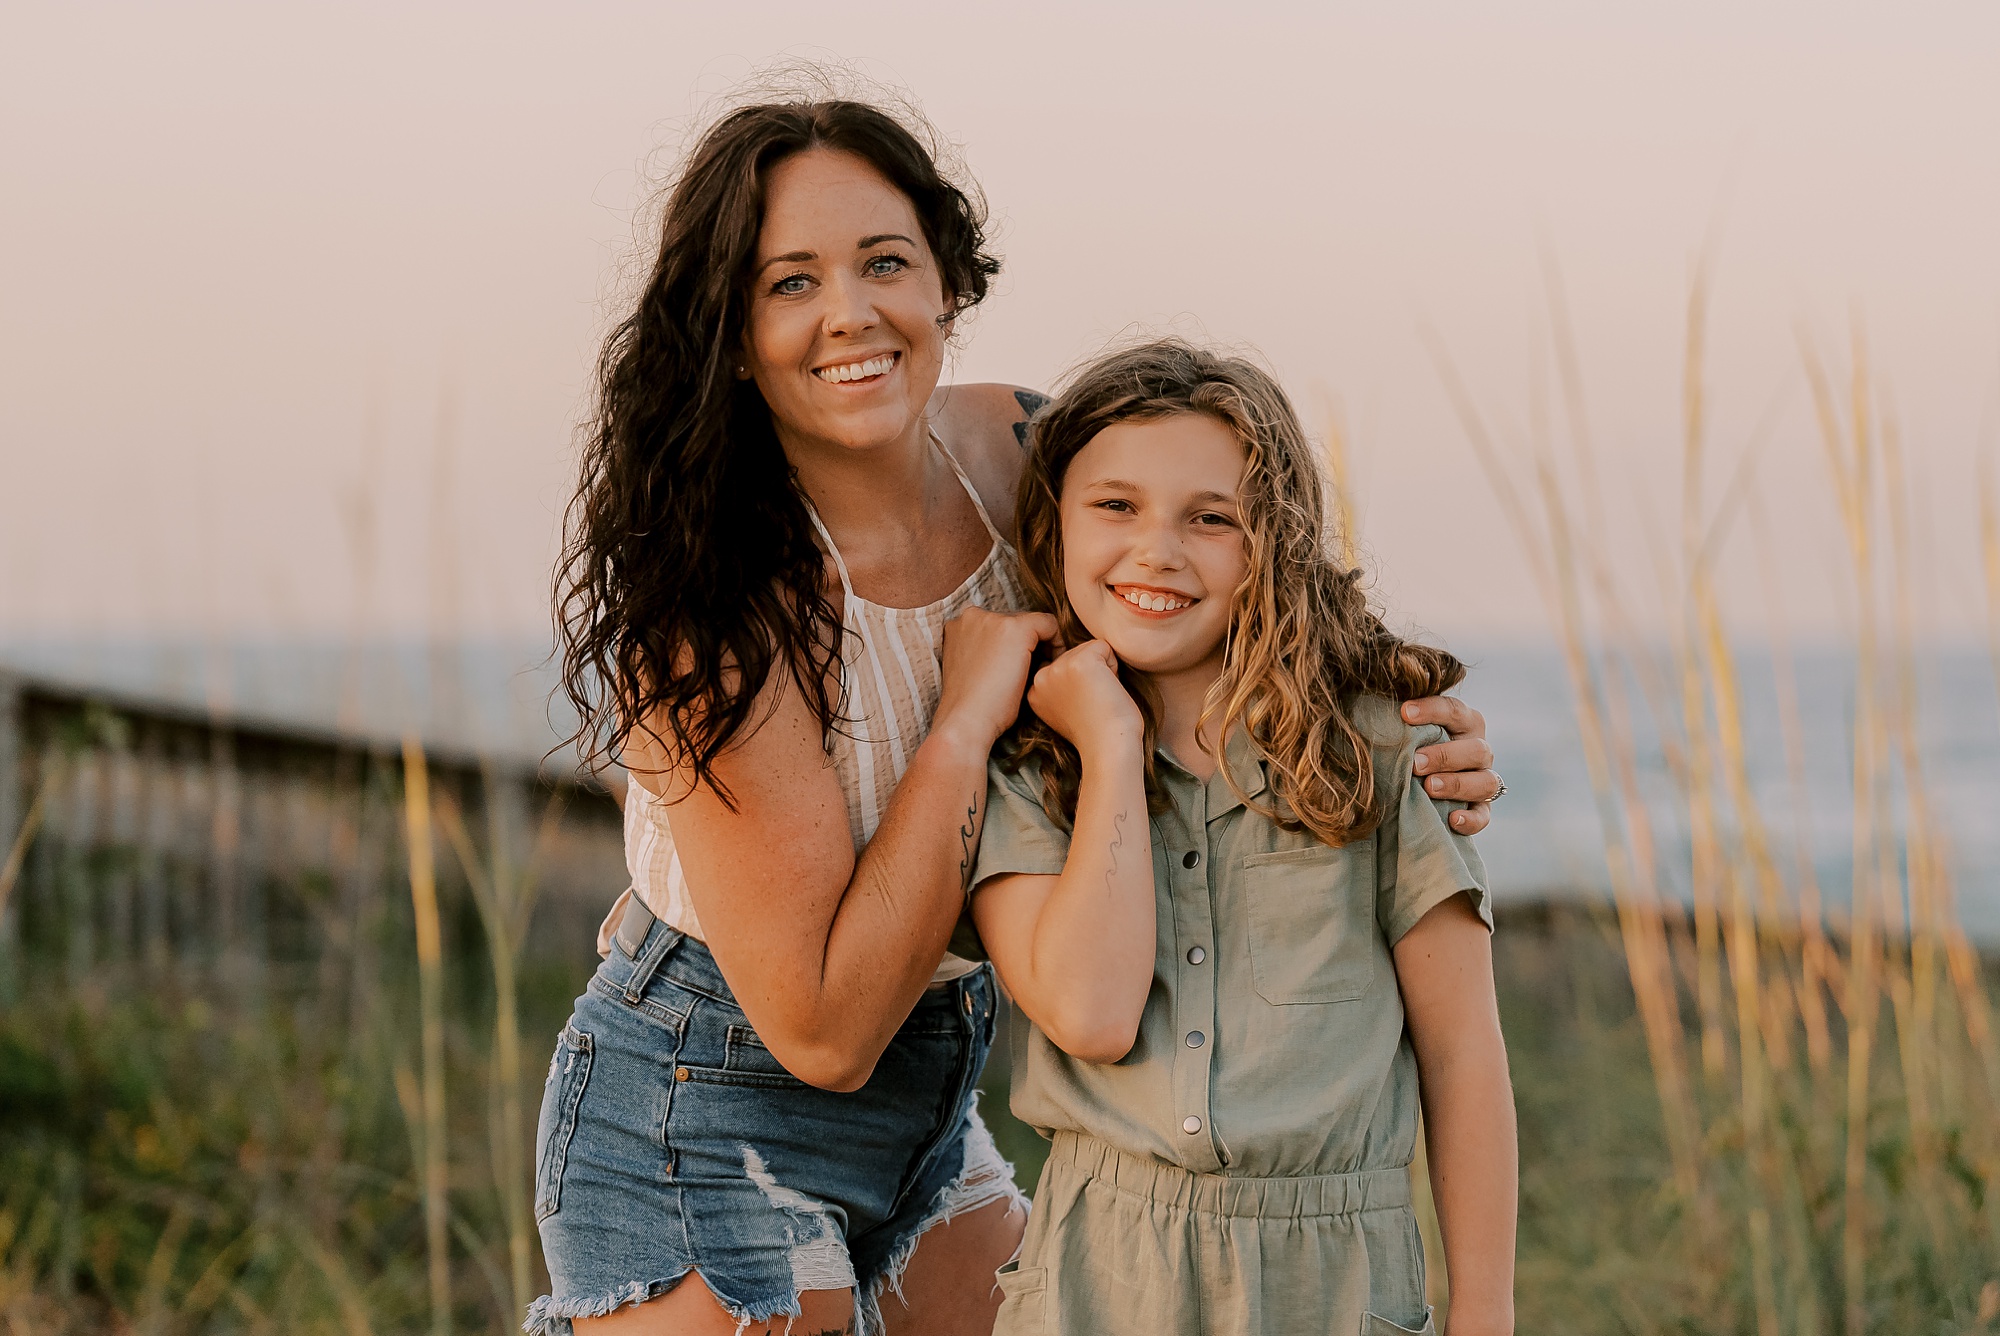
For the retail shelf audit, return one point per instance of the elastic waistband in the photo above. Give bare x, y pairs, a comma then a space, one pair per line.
1222, 1194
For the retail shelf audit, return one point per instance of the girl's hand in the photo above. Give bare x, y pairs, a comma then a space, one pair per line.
986, 658
1080, 697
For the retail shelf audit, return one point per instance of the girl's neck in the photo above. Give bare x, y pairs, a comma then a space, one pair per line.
1181, 696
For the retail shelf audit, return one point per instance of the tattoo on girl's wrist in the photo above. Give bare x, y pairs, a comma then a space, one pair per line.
1117, 843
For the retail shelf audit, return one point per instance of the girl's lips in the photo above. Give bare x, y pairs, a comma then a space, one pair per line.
1147, 601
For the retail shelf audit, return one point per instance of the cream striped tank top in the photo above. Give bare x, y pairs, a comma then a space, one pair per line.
890, 680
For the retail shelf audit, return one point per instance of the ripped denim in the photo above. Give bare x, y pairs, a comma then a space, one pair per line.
672, 1141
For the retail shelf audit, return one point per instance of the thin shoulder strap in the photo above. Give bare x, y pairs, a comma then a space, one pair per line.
966, 483
839, 564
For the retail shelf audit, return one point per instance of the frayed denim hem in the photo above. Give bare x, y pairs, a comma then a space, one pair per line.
549, 1316
986, 1178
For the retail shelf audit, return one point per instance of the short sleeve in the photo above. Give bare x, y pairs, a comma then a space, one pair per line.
1018, 835
1421, 863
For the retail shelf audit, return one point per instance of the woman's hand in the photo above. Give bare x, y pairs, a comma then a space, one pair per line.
985, 668
1080, 697
1461, 769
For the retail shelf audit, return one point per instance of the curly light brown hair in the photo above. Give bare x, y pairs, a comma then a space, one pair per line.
1303, 643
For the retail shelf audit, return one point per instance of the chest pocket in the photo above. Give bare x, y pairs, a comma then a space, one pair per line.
1312, 923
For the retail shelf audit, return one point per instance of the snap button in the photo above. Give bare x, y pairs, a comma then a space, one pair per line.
1196, 955
1190, 858
1195, 1039
1192, 1125
680, 1073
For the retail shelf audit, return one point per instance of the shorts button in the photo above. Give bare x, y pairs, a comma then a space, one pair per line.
1196, 955
1196, 1039
1190, 858
1191, 1125
680, 1073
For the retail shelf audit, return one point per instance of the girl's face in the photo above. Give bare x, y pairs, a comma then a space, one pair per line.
1153, 539
843, 335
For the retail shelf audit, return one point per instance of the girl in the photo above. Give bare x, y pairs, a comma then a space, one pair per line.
1231, 1037
786, 606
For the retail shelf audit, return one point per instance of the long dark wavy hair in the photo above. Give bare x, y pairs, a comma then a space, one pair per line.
689, 570
1302, 643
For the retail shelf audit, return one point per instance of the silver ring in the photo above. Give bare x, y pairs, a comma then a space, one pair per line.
1500, 792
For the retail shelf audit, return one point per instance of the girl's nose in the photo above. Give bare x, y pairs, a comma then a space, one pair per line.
1158, 547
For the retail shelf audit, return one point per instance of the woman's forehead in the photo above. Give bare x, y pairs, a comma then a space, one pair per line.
821, 198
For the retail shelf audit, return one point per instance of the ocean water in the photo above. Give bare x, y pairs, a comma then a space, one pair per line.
494, 697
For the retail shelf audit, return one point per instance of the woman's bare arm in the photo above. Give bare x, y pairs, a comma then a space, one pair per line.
827, 952
1444, 967
1076, 950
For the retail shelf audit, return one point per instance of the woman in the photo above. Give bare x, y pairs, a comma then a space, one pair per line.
768, 1084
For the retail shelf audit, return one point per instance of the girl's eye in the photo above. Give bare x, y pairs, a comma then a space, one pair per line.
791, 285
881, 266
1210, 519
1116, 505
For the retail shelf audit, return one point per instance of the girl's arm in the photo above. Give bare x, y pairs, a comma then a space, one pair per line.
1444, 966
825, 951
1076, 950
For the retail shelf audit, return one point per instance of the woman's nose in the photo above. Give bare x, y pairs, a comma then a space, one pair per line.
850, 308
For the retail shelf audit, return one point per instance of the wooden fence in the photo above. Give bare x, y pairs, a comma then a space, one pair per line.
160, 839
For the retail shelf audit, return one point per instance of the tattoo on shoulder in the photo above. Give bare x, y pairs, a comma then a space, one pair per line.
1031, 404
966, 835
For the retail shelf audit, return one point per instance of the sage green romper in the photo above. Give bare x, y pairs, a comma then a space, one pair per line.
1244, 1170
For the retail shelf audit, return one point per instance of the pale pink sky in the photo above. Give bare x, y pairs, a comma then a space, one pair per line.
252, 257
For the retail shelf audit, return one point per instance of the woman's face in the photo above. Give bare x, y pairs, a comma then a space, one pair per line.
1153, 539
844, 336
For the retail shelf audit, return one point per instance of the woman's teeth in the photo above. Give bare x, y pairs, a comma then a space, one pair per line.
874, 366
1140, 598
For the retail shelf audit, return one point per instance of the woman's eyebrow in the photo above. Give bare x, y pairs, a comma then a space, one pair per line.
881, 237
789, 257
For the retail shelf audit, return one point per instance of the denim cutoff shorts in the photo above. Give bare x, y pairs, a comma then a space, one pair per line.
672, 1141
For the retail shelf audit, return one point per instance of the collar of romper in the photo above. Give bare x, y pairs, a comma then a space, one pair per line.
1241, 757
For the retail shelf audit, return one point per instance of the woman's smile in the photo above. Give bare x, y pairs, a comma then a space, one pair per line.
862, 371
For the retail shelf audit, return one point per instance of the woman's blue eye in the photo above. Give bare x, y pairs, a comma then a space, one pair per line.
791, 285
881, 266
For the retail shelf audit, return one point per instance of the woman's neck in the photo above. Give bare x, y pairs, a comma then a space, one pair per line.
1181, 696
859, 491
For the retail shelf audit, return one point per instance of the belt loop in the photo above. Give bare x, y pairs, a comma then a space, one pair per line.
653, 946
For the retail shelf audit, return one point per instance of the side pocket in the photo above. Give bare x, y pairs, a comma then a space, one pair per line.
569, 1072
1024, 1294
1374, 1324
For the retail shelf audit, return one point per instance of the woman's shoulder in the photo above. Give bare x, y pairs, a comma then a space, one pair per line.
985, 426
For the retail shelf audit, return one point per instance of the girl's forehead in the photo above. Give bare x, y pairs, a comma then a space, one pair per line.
1183, 449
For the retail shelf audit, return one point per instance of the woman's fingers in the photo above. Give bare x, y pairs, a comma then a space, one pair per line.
1473, 819
1464, 786
1452, 714
1471, 753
